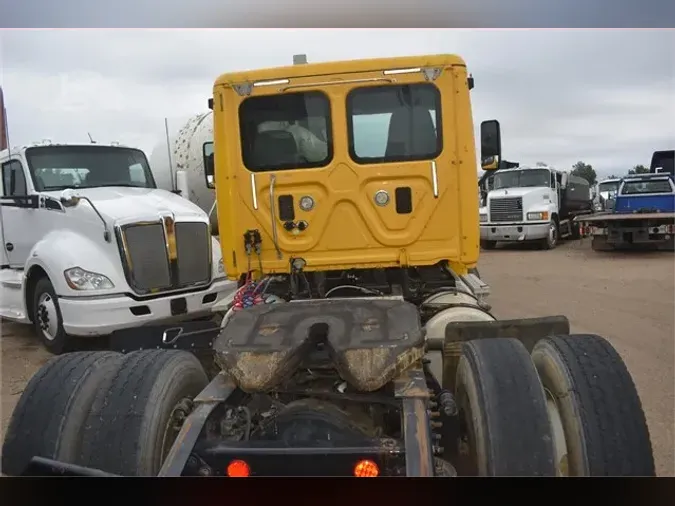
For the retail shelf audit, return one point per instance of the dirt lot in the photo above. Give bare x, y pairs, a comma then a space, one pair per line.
626, 297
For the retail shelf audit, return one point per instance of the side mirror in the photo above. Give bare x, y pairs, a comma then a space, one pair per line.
209, 166
69, 198
490, 144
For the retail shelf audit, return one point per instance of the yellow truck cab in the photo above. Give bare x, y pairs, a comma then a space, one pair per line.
335, 166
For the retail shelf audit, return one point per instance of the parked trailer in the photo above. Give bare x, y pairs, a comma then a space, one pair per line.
319, 365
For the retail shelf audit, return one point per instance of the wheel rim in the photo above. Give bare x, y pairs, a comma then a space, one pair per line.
174, 424
559, 442
47, 317
552, 234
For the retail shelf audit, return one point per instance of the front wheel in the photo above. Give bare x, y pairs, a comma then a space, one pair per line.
47, 318
488, 245
551, 239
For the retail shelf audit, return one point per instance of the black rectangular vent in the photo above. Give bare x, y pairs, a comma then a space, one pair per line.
403, 200
286, 210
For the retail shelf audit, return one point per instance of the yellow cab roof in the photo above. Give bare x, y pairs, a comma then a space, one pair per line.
339, 67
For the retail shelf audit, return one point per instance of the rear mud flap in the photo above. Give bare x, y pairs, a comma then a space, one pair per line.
527, 330
188, 336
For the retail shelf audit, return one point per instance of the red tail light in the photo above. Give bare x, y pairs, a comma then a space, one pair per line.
238, 469
366, 469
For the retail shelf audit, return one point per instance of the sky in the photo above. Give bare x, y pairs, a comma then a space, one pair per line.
605, 97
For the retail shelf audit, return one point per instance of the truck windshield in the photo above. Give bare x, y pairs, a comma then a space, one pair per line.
646, 187
60, 167
609, 186
522, 179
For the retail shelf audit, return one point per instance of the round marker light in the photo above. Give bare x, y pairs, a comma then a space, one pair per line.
306, 203
381, 198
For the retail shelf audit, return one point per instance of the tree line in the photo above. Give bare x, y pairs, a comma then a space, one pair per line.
586, 171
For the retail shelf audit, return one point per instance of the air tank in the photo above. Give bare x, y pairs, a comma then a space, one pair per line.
185, 146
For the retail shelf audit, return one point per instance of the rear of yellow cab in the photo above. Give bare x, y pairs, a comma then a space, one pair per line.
393, 189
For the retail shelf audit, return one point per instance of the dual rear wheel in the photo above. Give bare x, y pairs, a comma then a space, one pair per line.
569, 408
113, 412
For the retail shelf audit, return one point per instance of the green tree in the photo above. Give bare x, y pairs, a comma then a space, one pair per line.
581, 169
639, 169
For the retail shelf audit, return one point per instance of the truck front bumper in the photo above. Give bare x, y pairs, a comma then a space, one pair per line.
98, 316
513, 232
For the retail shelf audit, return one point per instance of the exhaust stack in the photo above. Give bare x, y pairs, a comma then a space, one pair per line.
4, 140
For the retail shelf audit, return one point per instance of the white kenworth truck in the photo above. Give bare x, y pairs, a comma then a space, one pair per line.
533, 204
91, 246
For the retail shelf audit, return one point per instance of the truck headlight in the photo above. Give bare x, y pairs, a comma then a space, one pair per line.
483, 217
541, 216
221, 267
79, 279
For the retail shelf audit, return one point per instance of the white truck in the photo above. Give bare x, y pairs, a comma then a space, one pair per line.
533, 204
91, 245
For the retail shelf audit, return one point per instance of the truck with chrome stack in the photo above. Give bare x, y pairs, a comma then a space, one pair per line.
643, 212
533, 204
359, 342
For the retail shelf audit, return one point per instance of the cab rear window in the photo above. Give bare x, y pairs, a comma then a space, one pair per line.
289, 131
394, 123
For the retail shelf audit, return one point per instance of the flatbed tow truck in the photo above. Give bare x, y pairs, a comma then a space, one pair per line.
348, 214
643, 212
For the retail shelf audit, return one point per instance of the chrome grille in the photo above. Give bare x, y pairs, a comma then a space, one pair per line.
146, 249
193, 244
506, 209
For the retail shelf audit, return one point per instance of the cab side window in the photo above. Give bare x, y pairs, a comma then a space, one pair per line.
13, 179
552, 179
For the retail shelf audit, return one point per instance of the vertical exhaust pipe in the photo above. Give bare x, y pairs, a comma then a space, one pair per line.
4, 137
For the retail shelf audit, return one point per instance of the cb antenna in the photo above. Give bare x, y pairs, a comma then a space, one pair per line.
91, 139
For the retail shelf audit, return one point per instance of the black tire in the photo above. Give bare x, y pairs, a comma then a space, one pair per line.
43, 318
553, 237
128, 421
50, 416
599, 243
488, 245
504, 425
575, 229
599, 409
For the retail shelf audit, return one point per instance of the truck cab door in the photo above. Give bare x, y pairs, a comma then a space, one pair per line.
19, 213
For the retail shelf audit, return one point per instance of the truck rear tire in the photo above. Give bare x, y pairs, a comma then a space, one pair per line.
488, 245
596, 414
50, 417
132, 424
47, 318
503, 423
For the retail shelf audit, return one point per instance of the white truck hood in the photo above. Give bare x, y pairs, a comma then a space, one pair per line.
135, 204
516, 192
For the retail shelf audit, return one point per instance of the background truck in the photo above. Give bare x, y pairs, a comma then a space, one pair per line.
533, 204
605, 194
91, 246
643, 215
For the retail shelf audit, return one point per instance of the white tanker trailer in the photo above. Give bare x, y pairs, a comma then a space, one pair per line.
177, 163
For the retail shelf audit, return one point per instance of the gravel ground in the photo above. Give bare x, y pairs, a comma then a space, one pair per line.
627, 298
